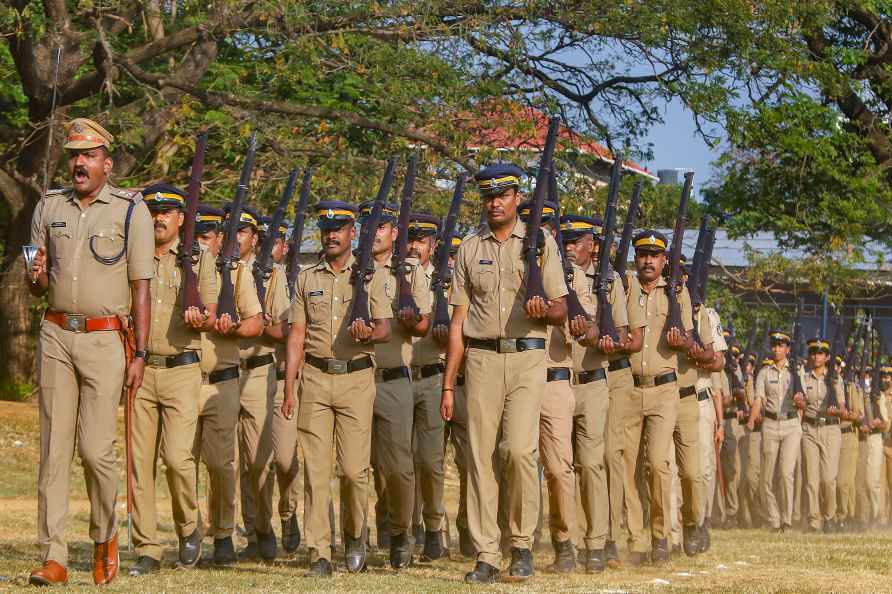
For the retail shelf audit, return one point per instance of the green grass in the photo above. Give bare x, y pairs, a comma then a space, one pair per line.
740, 560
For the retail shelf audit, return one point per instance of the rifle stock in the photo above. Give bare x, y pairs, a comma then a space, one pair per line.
622, 250
442, 277
606, 324
191, 298
531, 247
403, 270
673, 320
263, 265
297, 231
574, 306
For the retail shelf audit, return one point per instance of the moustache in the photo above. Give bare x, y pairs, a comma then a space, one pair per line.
160, 226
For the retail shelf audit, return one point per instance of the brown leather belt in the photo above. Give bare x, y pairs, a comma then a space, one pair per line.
652, 381
81, 323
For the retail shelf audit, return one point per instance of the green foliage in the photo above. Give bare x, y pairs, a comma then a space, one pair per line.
16, 391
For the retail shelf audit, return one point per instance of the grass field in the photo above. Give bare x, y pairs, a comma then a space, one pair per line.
740, 560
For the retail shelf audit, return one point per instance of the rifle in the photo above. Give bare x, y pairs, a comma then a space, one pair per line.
673, 320
625, 240
606, 324
869, 411
795, 353
694, 278
574, 307
228, 260
364, 267
263, 265
531, 247
403, 270
831, 376
297, 232
185, 258
442, 276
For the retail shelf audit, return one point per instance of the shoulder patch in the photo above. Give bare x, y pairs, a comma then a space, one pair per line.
57, 191
129, 195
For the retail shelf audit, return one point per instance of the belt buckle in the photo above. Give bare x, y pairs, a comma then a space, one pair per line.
336, 366
156, 361
508, 345
76, 322
646, 381
822, 421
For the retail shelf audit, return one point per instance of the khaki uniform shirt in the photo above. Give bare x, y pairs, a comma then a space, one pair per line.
425, 349
397, 352
218, 351
168, 333
656, 357
78, 282
688, 372
589, 358
322, 302
277, 306
774, 387
489, 278
709, 324
816, 398
561, 350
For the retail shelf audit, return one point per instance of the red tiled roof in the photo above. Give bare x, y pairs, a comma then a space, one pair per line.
515, 127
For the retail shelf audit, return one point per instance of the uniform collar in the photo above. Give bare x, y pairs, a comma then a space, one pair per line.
519, 230
782, 366
104, 195
661, 282
814, 374
173, 248
324, 265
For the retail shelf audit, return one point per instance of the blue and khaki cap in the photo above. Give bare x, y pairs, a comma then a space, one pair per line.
495, 179
650, 240
248, 218
83, 133
209, 218
389, 213
422, 224
164, 197
575, 226
549, 209
777, 336
818, 345
886, 370
334, 214
454, 243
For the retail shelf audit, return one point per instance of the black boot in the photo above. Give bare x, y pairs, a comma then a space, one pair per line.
433, 547
660, 553
190, 549
144, 566
224, 551
267, 545
400, 555
356, 554
320, 568
290, 535
521, 567
483, 573
594, 561
691, 540
564, 557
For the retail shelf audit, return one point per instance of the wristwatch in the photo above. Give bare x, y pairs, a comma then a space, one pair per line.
141, 354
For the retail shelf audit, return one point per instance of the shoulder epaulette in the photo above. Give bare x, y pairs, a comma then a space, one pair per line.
57, 192
129, 195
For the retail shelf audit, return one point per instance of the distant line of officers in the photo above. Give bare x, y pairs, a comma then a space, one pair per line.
630, 427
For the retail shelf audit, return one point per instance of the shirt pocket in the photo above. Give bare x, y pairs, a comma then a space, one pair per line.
484, 282
60, 244
107, 241
318, 307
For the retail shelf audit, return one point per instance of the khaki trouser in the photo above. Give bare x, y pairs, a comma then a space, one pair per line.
589, 424
428, 450
620, 386
335, 411
285, 457
218, 408
780, 447
80, 377
730, 460
255, 447
798, 487
556, 451
872, 475
458, 435
706, 424
750, 462
887, 472
393, 460
686, 439
651, 414
820, 457
504, 393
165, 417
845, 482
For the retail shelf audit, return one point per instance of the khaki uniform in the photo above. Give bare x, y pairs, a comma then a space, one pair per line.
750, 448
335, 410
394, 409
780, 440
652, 412
873, 444
81, 374
165, 409
620, 385
848, 462
218, 410
503, 390
821, 440
259, 412
731, 454
590, 424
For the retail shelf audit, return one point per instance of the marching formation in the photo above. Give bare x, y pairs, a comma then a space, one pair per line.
558, 354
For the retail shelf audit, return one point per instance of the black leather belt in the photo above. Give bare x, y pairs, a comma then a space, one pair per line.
184, 358
821, 421
557, 374
703, 395
619, 364
847, 429
652, 381
460, 380
780, 416
508, 345
280, 374
338, 366
686, 391
221, 375
594, 375
258, 361
388, 374
426, 371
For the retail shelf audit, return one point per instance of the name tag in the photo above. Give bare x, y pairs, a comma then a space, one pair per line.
315, 293
772, 381
58, 224
486, 262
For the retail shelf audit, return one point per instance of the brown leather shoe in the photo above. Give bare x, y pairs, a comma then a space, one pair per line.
105, 561
50, 574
